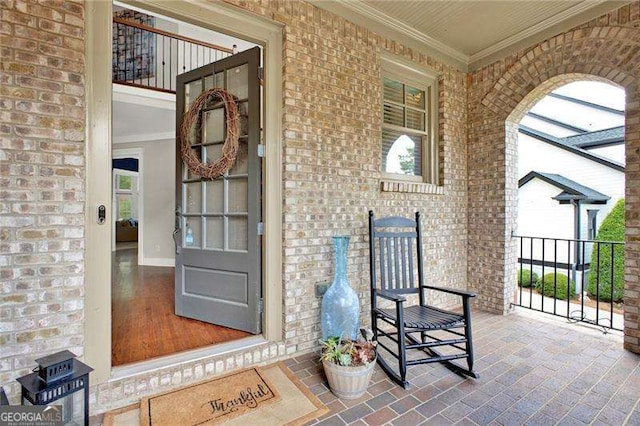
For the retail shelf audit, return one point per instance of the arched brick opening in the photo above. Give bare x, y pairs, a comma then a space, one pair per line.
610, 53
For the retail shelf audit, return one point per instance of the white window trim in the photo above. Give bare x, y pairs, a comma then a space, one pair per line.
121, 153
408, 72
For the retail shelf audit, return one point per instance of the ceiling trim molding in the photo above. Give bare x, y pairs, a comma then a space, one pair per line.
380, 27
370, 12
144, 137
362, 13
598, 9
537, 28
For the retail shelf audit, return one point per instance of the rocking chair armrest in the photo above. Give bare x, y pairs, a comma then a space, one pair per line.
462, 293
390, 296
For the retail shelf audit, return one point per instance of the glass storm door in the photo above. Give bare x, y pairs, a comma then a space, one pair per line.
218, 249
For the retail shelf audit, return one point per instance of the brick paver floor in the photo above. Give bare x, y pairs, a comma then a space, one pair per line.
534, 369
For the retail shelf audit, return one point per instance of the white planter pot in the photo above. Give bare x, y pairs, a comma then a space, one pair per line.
348, 382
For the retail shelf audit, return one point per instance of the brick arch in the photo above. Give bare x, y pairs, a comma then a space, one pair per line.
611, 53
546, 87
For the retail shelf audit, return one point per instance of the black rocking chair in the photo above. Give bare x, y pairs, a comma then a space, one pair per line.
395, 248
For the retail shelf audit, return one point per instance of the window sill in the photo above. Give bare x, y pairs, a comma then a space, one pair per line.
411, 187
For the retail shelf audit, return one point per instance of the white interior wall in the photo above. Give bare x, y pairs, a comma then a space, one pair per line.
158, 178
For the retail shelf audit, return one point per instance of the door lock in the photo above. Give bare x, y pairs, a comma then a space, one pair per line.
102, 214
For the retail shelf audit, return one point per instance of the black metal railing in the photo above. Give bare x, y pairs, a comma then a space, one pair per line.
151, 58
583, 279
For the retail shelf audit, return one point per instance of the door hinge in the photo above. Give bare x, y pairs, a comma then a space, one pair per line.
260, 228
260, 150
260, 306
261, 76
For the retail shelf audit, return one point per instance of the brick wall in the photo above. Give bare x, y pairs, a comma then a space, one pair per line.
606, 48
331, 75
42, 121
331, 176
332, 161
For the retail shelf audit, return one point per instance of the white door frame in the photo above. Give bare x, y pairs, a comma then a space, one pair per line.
230, 20
137, 153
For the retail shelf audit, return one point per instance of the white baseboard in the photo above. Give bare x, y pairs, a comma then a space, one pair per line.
157, 261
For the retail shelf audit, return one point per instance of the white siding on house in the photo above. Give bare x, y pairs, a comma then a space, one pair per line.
539, 156
538, 210
613, 152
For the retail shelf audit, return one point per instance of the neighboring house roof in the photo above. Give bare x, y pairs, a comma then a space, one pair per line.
597, 138
561, 143
571, 190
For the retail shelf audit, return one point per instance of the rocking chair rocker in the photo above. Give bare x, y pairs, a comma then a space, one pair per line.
395, 247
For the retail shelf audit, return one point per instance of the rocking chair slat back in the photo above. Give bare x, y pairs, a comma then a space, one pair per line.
394, 238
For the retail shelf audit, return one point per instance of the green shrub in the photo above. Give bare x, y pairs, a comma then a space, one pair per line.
560, 281
527, 278
612, 229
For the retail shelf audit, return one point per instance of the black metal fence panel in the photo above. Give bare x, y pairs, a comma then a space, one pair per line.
581, 280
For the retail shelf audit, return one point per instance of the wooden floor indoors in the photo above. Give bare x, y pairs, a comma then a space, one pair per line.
143, 324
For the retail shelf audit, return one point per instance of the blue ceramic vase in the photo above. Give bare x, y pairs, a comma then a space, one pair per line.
340, 309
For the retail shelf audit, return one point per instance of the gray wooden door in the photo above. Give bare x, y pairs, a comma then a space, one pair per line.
218, 249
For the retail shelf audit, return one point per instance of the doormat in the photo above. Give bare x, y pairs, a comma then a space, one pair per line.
211, 402
281, 399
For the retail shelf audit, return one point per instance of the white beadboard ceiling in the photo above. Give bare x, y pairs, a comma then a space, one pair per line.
469, 31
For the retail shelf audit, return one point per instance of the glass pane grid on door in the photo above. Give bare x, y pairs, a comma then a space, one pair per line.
216, 211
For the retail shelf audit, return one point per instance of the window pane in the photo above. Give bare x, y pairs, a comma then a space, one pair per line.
215, 196
243, 112
393, 115
191, 92
238, 197
401, 153
214, 152
415, 119
214, 123
393, 91
193, 200
208, 82
124, 182
415, 97
124, 206
240, 166
238, 234
193, 232
215, 233
219, 81
238, 81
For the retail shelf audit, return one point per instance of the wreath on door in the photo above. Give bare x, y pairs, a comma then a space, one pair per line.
193, 116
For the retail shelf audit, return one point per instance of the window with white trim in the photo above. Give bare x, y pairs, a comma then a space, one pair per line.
592, 224
409, 131
125, 194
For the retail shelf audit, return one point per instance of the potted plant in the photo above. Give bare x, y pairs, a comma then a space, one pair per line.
348, 365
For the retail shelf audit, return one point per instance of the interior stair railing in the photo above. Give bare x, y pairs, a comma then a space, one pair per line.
151, 58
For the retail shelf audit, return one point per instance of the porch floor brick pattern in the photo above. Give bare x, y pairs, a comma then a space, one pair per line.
534, 370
